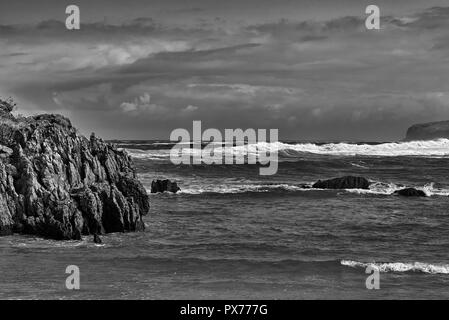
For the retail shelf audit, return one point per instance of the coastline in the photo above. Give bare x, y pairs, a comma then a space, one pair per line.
61, 185
230, 232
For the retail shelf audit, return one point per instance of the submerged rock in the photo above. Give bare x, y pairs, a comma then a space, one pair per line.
410, 192
164, 185
58, 184
348, 182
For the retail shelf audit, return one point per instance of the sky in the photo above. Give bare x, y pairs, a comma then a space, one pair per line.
139, 69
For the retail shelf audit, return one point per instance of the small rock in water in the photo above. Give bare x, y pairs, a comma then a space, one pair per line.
410, 192
164, 185
97, 239
347, 182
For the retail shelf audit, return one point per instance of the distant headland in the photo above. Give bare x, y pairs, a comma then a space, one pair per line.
428, 131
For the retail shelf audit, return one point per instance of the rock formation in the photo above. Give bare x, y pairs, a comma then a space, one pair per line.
58, 184
428, 131
164, 185
410, 192
347, 182
97, 239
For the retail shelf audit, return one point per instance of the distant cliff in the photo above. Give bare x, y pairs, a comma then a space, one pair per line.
428, 131
61, 185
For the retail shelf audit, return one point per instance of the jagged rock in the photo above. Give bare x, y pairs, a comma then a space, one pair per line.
428, 131
8, 200
347, 182
5, 152
6, 107
410, 192
164, 185
58, 184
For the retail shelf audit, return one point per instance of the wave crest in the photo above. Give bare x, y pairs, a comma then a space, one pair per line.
432, 148
383, 188
400, 266
376, 188
243, 188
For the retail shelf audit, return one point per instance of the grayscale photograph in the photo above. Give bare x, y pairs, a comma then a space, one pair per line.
224, 150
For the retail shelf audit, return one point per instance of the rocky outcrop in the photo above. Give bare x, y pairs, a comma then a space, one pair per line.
97, 239
164, 185
348, 182
428, 131
58, 184
410, 192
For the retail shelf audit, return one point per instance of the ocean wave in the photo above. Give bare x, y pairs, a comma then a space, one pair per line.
304, 265
238, 261
32, 242
376, 188
433, 148
240, 188
400, 266
149, 154
383, 188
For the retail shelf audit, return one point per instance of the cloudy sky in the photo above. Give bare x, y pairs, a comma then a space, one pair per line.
138, 69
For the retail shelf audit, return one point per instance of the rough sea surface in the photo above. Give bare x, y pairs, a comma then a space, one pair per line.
231, 233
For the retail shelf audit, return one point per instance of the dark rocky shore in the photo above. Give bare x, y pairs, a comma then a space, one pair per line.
58, 184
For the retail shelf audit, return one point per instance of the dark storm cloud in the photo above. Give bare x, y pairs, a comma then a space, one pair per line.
312, 78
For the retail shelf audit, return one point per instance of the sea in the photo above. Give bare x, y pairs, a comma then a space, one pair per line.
231, 233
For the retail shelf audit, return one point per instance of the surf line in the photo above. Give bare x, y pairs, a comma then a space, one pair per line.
249, 145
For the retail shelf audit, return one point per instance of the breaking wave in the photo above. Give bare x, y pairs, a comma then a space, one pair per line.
433, 148
437, 148
400, 266
149, 154
241, 188
382, 188
376, 188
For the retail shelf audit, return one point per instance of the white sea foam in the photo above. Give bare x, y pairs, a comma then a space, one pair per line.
376, 188
149, 154
239, 188
400, 266
383, 188
433, 148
